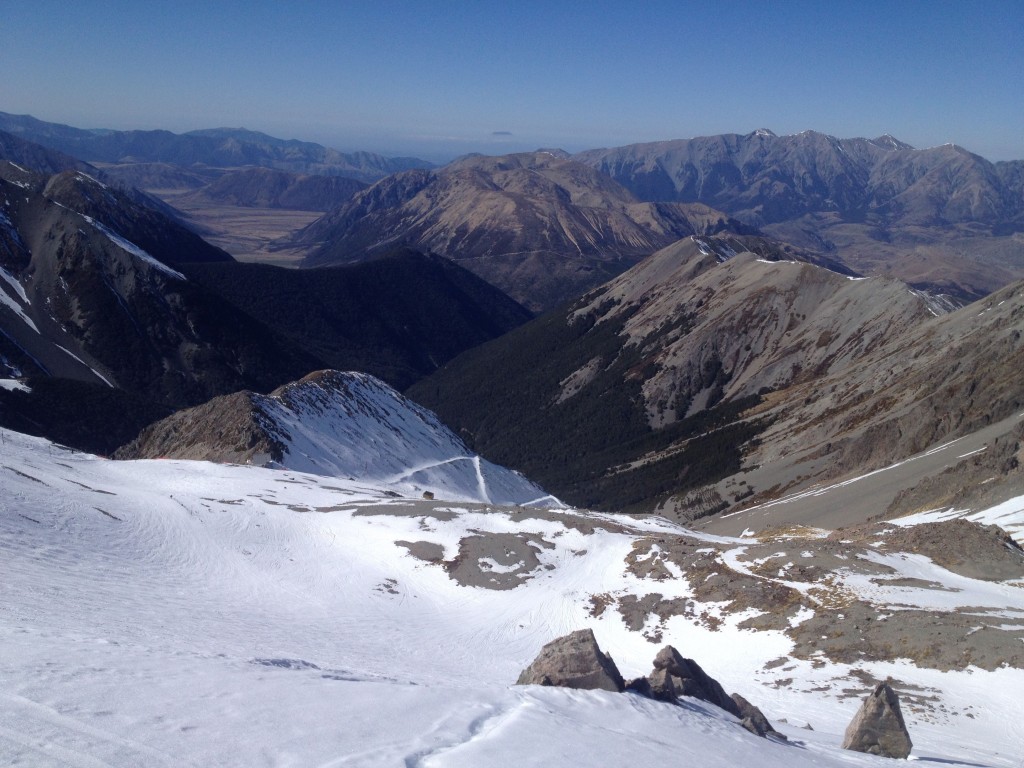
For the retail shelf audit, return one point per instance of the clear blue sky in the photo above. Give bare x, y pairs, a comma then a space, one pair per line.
441, 78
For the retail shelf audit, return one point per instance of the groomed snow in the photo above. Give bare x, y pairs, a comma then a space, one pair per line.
192, 614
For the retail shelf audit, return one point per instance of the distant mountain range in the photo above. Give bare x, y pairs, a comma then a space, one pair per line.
543, 229
941, 218
540, 226
764, 179
217, 147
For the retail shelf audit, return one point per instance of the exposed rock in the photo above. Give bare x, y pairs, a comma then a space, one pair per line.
573, 661
675, 676
661, 687
878, 726
753, 719
640, 686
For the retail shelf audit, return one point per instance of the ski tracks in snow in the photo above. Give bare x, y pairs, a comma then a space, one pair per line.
47, 737
451, 731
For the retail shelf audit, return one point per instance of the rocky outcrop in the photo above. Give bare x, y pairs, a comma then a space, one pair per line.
674, 676
753, 719
573, 661
878, 727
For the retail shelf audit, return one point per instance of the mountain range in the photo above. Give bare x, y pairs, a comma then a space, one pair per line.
540, 226
781, 458
218, 147
719, 372
942, 218
98, 293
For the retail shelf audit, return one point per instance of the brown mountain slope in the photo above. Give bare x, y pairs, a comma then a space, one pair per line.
539, 226
953, 378
941, 218
636, 392
269, 188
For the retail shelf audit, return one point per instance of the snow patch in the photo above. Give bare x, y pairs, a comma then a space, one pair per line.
134, 250
13, 385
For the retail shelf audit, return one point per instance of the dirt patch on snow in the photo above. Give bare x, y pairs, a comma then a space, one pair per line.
496, 560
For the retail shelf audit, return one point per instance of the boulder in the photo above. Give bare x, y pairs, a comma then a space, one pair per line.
674, 676
573, 661
878, 727
753, 719
661, 687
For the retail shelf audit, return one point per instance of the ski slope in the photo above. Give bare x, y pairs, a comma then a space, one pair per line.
175, 613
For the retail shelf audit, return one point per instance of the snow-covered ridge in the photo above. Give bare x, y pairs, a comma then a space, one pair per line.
346, 425
354, 425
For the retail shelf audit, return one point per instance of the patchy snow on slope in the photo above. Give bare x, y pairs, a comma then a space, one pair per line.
11, 303
13, 385
1009, 516
133, 249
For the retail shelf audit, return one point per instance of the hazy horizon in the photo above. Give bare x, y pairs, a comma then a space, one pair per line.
437, 80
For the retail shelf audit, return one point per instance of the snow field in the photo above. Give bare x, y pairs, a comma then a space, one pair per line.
185, 613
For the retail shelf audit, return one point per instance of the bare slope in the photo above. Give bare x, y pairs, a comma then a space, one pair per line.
636, 391
954, 378
268, 188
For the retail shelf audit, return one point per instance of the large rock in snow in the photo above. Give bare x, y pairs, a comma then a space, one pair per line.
753, 719
573, 661
878, 726
675, 676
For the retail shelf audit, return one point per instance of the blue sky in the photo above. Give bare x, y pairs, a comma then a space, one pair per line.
441, 78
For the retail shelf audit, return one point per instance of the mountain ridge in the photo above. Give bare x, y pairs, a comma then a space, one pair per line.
214, 147
539, 226
337, 424
693, 366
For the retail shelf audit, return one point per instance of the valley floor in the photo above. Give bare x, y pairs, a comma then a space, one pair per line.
186, 613
246, 232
